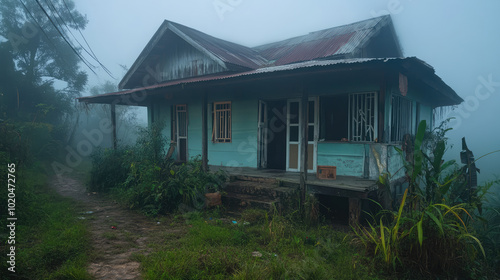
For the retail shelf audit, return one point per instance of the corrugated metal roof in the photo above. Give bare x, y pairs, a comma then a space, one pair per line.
226, 51
283, 68
336, 41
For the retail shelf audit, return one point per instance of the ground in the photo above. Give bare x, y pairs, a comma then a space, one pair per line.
117, 233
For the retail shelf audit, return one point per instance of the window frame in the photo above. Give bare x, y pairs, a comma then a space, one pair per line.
370, 104
227, 120
396, 133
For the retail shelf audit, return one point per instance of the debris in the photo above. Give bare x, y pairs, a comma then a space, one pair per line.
157, 223
246, 223
113, 227
235, 222
256, 254
81, 218
213, 199
88, 212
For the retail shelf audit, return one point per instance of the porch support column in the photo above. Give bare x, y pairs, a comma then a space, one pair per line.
304, 103
204, 138
113, 123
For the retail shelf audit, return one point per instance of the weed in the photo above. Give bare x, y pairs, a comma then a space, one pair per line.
110, 235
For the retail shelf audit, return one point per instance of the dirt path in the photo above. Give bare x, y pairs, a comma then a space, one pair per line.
117, 233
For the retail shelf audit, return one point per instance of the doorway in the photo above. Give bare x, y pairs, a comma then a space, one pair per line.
181, 123
293, 137
276, 134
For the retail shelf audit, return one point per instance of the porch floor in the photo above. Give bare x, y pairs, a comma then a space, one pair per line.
343, 186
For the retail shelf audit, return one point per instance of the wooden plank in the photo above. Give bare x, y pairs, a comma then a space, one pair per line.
204, 137
113, 124
336, 191
304, 103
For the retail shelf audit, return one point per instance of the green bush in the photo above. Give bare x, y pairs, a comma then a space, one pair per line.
110, 169
144, 178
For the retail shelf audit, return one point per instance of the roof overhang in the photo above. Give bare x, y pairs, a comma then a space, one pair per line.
413, 67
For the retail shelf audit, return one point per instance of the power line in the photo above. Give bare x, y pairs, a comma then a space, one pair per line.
85, 40
64, 38
61, 18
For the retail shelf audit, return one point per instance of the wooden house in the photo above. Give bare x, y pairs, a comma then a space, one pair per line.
340, 97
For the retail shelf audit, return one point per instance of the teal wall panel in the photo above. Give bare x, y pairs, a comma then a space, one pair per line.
347, 157
242, 151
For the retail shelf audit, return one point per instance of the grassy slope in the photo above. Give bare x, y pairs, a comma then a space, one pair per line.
51, 243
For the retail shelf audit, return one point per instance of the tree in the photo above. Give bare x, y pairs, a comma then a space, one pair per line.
91, 115
38, 32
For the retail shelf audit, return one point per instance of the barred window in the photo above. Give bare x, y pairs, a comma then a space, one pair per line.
362, 117
221, 132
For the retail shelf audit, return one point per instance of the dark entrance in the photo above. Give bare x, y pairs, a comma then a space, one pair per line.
276, 147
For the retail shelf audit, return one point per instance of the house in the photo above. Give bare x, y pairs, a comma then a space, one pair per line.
343, 97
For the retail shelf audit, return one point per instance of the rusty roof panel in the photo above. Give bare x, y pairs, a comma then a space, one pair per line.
330, 42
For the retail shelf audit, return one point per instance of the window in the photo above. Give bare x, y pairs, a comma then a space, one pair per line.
334, 117
400, 118
362, 117
221, 132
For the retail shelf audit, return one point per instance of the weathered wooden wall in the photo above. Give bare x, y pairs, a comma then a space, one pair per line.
181, 60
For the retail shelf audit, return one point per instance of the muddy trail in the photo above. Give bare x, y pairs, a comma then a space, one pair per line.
117, 233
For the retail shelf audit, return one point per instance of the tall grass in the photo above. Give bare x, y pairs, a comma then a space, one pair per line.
51, 243
432, 232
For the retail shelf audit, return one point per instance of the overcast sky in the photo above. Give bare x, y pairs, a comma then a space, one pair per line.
460, 39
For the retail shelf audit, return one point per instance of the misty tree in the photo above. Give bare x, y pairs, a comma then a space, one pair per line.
90, 116
40, 50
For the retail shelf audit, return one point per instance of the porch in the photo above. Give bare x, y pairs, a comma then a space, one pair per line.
355, 189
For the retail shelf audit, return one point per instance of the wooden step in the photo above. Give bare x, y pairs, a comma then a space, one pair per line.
241, 201
258, 189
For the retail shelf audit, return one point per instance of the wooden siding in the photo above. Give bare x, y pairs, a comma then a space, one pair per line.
181, 60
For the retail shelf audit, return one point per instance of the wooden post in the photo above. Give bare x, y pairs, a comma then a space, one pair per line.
354, 210
304, 103
204, 138
113, 123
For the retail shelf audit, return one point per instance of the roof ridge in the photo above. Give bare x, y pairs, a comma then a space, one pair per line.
381, 18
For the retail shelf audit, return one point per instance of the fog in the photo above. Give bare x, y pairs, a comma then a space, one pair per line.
460, 39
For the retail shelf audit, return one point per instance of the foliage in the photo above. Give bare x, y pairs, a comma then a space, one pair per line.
144, 178
24, 142
50, 242
488, 229
435, 239
432, 231
43, 53
109, 169
24, 99
216, 248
